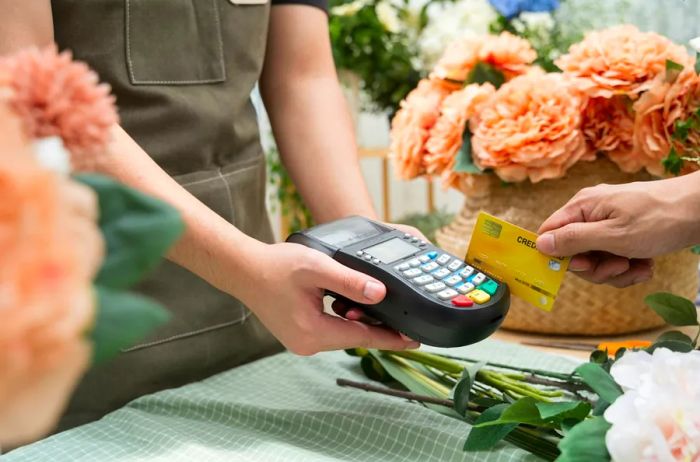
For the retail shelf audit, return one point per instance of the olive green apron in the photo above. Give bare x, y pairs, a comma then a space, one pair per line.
183, 72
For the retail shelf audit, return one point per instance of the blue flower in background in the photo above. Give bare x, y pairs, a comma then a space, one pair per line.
512, 8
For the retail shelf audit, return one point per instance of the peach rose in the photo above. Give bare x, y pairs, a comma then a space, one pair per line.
531, 128
506, 52
621, 60
56, 96
446, 136
50, 250
608, 124
411, 126
657, 112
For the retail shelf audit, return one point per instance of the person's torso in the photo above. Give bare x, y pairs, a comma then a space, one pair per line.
182, 72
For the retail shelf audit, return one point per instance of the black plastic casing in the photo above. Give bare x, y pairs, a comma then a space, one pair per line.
410, 309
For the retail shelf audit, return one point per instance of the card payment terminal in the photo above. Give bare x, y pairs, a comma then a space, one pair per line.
432, 296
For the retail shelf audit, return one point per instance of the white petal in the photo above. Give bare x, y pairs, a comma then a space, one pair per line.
695, 43
52, 154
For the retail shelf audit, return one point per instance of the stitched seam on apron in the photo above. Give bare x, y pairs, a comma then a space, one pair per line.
246, 315
228, 194
174, 82
239, 168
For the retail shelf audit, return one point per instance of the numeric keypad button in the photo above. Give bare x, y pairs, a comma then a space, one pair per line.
455, 265
443, 259
423, 280
435, 287
412, 273
447, 294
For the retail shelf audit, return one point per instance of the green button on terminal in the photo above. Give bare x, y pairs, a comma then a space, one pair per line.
490, 287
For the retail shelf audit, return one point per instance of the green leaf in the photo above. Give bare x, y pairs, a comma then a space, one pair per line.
673, 345
523, 411
697, 63
564, 410
673, 69
695, 249
403, 372
600, 381
463, 388
123, 319
482, 438
600, 407
675, 310
464, 161
585, 442
672, 163
138, 230
373, 370
682, 129
599, 357
675, 336
485, 73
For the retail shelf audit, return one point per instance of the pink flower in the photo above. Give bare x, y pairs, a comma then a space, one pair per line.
506, 52
608, 124
447, 134
531, 128
50, 250
621, 60
56, 96
411, 126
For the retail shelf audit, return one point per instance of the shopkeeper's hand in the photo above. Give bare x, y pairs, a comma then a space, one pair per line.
286, 293
613, 231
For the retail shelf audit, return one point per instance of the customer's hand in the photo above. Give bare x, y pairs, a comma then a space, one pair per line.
286, 293
614, 231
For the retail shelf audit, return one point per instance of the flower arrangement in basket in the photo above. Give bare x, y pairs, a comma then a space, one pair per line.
628, 95
519, 142
70, 245
626, 406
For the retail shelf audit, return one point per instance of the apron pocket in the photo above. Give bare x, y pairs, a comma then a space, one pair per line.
174, 42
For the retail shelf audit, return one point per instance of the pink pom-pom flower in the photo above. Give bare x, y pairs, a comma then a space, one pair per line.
56, 96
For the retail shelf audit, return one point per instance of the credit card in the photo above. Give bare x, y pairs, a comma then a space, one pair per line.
509, 253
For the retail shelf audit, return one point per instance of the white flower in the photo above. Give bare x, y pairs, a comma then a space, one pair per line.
52, 154
657, 419
448, 21
387, 15
535, 21
695, 43
348, 9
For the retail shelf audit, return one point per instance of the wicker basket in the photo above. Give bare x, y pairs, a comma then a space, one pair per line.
581, 308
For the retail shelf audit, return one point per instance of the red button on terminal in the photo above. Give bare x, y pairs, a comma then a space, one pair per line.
462, 301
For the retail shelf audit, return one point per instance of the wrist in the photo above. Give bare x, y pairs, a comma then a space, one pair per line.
689, 187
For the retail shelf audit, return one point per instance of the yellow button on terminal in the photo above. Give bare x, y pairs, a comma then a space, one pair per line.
479, 296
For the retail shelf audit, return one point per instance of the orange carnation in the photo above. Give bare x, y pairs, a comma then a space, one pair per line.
50, 250
411, 126
608, 124
506, 52
446, 136
621, 60
56, 96
657, 112
531, 128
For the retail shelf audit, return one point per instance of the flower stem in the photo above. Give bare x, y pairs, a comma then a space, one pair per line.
544, 373
397, 393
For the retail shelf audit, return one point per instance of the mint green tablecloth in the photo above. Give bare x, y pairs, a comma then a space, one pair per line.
283, 408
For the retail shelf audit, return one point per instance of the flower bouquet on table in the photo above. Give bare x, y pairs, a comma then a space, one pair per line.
70, 244
630, 406
519, 142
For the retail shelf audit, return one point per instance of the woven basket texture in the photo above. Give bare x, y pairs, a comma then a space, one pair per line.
581, 308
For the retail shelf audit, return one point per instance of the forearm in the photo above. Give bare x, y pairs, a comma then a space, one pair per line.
687, 191
314, 133
210, 244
